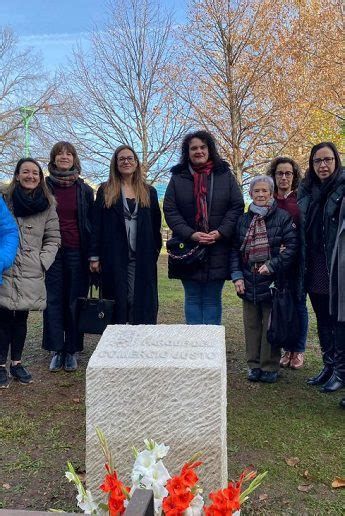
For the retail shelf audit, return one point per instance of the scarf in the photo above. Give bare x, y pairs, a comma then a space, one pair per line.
255, 245
63, 179
200, 174
314, 216
25, 204
130, 222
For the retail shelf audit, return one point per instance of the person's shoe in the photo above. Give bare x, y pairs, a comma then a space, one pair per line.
333, 384
322, 377
254, 374
342, 403
18, 372
56, 362
71, 363
4, 380
285, 359
269, 376
297, 360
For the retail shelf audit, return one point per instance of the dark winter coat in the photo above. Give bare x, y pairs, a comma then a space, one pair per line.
180, 210
85, 200
109, 243
330, 221
281, 230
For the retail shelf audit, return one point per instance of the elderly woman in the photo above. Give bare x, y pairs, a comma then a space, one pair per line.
23, 287
126, 240
320, 196
265, 246
286, 175
202, 204
67, 279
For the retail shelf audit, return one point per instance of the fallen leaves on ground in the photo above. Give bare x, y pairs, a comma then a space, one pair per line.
6, 486
76, 400
292, 461
338, 482
263, 497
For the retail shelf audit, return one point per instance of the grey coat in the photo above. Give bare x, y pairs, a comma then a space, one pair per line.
337, 270
23, 285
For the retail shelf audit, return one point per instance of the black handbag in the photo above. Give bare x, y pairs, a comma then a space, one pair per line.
283, 323
94, 313
186, 253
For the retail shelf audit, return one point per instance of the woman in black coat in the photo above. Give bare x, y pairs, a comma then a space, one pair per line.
320, 196
202, 204
265, 246
68, 277
126, 240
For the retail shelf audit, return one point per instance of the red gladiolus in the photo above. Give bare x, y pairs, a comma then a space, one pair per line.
188, 474
179, 488
115, 488
225, 501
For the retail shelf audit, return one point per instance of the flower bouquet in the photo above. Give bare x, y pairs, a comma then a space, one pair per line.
180, 495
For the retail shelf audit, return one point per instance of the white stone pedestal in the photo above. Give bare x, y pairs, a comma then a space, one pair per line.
166, 383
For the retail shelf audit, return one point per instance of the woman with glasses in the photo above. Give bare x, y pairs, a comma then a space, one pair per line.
286, 175
320, 196
126, 240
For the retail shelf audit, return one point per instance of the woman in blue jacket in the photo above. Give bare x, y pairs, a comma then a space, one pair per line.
8, 238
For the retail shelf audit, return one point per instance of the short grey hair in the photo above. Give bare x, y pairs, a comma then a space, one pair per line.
262, 179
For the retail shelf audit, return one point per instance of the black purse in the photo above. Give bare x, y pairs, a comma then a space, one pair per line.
94, 313
186, 253
283, 323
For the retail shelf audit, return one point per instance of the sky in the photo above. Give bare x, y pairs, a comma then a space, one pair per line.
54, 27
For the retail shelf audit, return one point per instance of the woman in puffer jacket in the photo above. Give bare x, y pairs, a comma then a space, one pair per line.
8, 238
265, 246
23, 287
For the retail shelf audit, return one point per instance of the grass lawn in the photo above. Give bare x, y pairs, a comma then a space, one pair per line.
43, 425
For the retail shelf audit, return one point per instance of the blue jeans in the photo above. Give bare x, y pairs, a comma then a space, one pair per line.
302, 313
203, 301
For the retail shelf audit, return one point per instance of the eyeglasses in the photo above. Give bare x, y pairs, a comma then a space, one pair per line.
286, 174
327, 161
130, 159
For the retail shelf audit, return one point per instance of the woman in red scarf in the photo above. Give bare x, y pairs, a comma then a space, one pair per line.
202, 204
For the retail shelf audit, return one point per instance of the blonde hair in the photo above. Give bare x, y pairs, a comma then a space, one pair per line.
112, 188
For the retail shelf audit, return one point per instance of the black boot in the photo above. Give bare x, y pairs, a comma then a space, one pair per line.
322, 377
326, 338
333, 384
339, 351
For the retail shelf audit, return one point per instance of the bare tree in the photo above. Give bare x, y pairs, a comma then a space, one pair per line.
120, 89
22, 83
247, 78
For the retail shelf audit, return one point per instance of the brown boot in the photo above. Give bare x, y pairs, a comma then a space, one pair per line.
297, 360
285, 359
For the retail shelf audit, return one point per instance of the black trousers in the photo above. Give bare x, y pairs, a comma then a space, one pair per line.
331, 334
13, 329
66, 280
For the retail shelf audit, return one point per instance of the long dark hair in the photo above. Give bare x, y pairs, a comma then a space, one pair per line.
205, 137
60, 146
9, 191
272, 167
112, 189
310, 175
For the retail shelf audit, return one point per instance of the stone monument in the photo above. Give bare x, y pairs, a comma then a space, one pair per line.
166, 383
